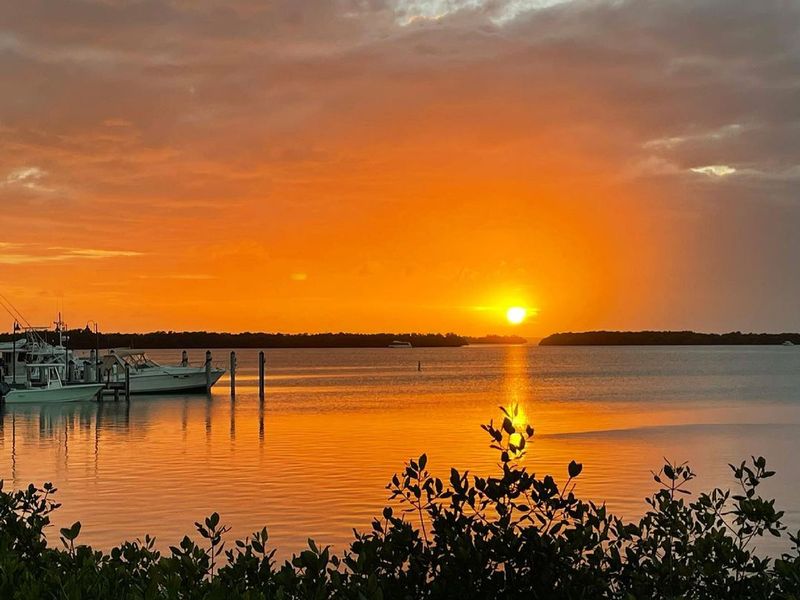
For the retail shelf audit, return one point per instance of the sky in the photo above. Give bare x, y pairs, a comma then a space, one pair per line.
401, 165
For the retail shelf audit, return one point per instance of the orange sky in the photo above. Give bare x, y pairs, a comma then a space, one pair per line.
408, 165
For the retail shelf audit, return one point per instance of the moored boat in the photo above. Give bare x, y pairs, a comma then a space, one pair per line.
43, 385
147, 376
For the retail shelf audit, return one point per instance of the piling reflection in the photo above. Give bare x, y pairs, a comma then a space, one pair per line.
34, 429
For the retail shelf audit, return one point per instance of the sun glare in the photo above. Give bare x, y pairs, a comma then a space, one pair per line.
515, 315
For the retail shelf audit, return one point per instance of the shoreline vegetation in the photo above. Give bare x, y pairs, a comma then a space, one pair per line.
667, 338
84, 339
508, 535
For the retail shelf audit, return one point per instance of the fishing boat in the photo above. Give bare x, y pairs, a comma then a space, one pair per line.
32, 350
147, 376
43, 385
35, 349
399, 344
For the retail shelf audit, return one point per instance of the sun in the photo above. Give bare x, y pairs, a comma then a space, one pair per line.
516, 315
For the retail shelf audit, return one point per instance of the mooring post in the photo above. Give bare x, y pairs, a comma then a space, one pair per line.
233, 374
127, 383
208, 370
89, 368
261, 368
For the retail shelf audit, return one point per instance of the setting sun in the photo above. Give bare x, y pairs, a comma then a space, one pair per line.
516, 315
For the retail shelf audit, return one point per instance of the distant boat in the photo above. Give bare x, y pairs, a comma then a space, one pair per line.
48, 387
399, 344
787, 343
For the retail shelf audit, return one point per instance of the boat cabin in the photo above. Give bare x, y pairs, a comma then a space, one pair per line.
41, 375
7, 351
137, 360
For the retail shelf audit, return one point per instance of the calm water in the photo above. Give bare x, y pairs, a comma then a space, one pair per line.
314, 458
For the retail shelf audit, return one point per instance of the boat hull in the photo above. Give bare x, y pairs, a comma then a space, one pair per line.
178, 380
69, 393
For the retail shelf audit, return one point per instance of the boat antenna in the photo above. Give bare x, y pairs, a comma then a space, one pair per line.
16, 314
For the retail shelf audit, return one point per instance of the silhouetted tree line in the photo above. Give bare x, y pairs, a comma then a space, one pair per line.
667, 338
84, 339
497, 339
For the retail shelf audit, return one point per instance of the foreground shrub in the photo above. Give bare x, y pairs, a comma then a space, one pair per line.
511, 535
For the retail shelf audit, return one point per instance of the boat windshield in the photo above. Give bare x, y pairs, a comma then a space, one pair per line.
139, 361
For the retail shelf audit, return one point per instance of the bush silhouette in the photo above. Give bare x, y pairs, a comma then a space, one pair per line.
510, 535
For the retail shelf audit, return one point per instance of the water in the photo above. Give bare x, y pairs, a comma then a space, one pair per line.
337, 423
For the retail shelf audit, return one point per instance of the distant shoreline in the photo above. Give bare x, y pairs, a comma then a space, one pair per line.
668, 338
84, 339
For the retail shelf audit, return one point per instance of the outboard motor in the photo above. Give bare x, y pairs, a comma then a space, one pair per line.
4, 389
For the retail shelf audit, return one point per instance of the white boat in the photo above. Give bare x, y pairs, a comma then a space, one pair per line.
148, 376
32, 350
399, 344
788, 343
43, 384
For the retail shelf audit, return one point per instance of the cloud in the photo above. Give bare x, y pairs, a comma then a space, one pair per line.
714, 170
410, 12
181, 276
93, 253
20, 254
27, 177
714, 135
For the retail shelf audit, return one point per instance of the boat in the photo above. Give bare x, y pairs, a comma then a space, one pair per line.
787, 343
13, 355
35, 349
399, 344
43, 385
148, 377
17, 355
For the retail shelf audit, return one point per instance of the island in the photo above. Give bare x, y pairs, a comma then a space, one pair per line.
85, 339
498, 340
668, 338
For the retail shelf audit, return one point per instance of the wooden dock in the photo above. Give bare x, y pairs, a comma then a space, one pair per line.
115, 389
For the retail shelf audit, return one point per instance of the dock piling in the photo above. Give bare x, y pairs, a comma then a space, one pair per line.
127, 383
261, 370
98, 364
233, 374
208, 370
90, 367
